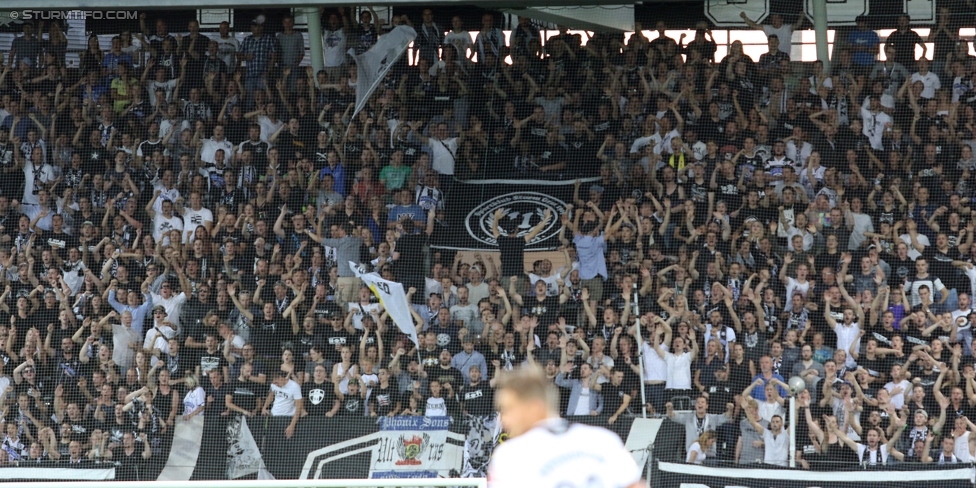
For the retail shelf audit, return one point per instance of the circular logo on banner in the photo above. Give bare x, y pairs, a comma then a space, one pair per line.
525, 208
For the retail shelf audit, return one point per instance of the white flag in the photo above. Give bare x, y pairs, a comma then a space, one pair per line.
373, 64
393, 299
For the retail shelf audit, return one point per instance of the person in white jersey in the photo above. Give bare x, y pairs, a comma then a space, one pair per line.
965, 444
655, 367
544, 451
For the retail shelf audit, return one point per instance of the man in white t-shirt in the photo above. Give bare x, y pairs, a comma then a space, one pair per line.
923, 278
334, 51
166, 186
164, 221
542, 270
195, 216
38, 176
172, 303
217, 141
443, 149
776, 439
227, 46
268, 120
874, 121
848, 332
544, 451
913, 237
655, 367
777, 27
930, 81
680, 361
459, 38
897, 387
961, 316
287, 400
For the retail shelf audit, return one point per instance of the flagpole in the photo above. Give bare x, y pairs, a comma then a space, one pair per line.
640, 349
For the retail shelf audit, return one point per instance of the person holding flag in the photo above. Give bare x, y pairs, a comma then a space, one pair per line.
394, 300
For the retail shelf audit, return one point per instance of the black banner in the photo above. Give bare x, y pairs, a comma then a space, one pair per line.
472, 205
899, 475
285, 458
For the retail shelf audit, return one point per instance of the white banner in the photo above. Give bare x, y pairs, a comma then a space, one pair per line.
393, 299
414, 447
50, 472
372, 65
243, 457
184, 451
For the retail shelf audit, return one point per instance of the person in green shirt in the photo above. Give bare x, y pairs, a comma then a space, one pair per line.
395, 175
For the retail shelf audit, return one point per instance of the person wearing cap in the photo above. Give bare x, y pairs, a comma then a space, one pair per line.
171, 303
922, 427
260, 52
27, 48
337, 334
353, 403
864, 43
161, 326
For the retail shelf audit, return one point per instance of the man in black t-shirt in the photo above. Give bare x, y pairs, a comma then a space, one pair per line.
217, 392
445, 373
505, 229
616, 398
477, 397
212, 358
384, 399
352, 403
176, 363
336, 337
245, 393
409, 255
320, 395
57, 239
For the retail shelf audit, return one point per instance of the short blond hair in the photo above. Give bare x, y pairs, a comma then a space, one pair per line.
530, 383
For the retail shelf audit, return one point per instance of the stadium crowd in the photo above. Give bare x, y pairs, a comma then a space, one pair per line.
178, 214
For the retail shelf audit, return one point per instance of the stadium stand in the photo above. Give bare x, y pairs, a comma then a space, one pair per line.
197, 229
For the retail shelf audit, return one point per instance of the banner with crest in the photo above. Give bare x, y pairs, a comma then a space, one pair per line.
414, 447
524, 202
